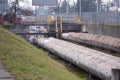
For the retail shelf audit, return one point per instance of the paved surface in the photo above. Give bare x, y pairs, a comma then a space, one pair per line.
4, 75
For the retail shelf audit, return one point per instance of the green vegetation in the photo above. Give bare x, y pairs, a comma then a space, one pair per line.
26, 62
7, 23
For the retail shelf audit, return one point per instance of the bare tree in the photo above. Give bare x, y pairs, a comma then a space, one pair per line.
14, 6
13, 11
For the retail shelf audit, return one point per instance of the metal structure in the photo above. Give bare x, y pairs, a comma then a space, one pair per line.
56, 26
100, 64
79, 10
98, 5
106, 13
101, 17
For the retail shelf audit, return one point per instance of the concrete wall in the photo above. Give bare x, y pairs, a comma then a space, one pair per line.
109, 30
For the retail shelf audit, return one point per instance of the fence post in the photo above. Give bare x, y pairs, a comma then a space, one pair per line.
115, 74
56, 26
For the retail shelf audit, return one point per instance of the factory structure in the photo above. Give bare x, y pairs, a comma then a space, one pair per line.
89, 39
3, 9
3, 6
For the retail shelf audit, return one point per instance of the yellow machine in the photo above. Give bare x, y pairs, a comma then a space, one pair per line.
60, 20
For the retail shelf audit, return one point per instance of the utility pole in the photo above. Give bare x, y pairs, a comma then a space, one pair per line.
117, 2
16, 7
79, 8
74, 6
59, 4
98, 5
67, 7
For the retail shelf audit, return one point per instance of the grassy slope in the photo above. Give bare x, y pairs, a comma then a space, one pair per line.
29, 63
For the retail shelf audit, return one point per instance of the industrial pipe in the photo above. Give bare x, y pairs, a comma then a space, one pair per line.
95, 62
101, 41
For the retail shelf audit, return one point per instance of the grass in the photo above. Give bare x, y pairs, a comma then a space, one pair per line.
26, 62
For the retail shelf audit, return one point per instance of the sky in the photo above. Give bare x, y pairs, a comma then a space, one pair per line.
29, 3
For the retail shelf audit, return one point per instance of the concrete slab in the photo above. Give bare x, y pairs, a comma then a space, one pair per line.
4, 75
7, 79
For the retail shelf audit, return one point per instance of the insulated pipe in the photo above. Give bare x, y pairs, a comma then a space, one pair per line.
93, 61
105, 42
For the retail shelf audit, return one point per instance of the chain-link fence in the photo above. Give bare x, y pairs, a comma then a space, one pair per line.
101, 17
103, 23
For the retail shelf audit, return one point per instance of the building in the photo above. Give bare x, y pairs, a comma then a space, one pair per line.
40, 11
3, 6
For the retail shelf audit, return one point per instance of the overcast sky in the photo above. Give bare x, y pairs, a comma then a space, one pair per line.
29, 4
